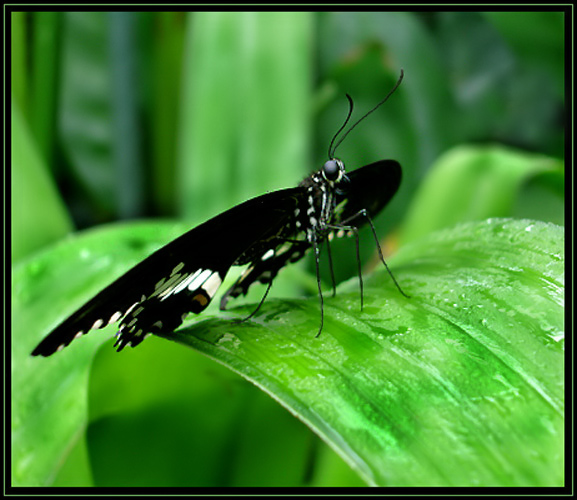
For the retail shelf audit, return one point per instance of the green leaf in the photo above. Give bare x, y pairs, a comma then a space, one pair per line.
474, 183
19, 54
165, 68
245, 106
86, 108
511, 94
459, 385
38, 215
46, 39
49, 396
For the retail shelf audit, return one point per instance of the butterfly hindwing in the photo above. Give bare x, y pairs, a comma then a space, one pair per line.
265, 267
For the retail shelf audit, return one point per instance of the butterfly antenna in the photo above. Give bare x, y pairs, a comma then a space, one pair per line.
362, 117
331, 149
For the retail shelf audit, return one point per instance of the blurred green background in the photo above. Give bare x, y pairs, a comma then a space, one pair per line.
121, 116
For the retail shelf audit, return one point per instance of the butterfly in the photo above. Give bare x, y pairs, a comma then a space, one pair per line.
266, 233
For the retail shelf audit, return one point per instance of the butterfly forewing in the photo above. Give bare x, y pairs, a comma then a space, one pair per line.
370, 188
181, 277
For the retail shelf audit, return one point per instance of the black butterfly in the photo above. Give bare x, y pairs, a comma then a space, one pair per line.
266, 232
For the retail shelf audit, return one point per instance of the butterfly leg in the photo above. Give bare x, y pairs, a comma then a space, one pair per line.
331, 267
363, 213
317, 258
259, 304
359, 270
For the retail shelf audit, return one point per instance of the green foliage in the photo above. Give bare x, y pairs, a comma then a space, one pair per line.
472, 363
44, 287
188, 114
32, 228
482, 331
250, 66
473, 183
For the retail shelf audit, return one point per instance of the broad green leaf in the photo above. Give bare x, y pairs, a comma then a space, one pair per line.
49, 395
245, 107
165, 70
46, 38
86, 108
473, 183
509, 93
19, 54
38, 215
460, 385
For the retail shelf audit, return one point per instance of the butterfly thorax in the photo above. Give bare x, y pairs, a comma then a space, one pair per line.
316, 210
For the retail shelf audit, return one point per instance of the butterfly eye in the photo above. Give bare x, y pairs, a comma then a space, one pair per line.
332, 170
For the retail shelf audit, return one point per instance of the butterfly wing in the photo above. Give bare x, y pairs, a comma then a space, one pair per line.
370, 188
265, 266
180, 277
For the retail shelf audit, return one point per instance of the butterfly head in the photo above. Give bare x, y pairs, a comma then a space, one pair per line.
334, 171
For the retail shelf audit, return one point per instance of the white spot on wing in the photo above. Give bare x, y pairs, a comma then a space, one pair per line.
268, 254
129, 310
197, 283
116, 316
97, 324
185, 283
167, 292
211, 284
